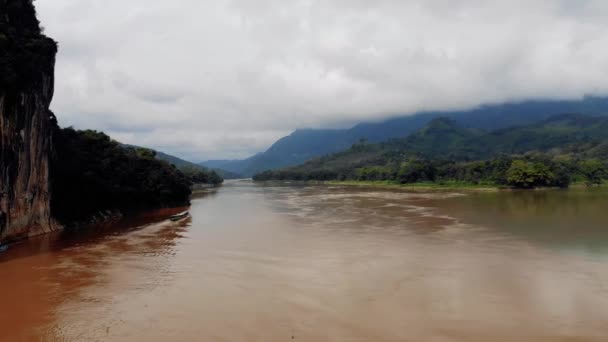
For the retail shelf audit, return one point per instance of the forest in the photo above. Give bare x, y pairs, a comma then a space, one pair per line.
553, 153
91, 172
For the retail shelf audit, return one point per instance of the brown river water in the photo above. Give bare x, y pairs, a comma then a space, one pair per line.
322, 263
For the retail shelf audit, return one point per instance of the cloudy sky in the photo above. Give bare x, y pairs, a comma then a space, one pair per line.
225, 78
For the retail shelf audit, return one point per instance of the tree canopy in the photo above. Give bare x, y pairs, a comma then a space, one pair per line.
90, 172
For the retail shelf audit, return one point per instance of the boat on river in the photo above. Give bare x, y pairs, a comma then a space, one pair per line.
179, 216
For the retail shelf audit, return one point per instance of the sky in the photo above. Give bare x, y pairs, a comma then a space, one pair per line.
224, 79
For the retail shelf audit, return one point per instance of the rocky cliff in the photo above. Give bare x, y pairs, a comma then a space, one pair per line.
27, 60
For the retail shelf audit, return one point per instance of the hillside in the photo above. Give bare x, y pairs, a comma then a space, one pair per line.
178, 162
303, 145
557, 132
564, 137
197, 173
91, 173
440, 136
185, 165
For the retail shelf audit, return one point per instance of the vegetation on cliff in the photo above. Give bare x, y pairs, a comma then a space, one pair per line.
90, 172
196, 173
47, 172
552, 153
26, 55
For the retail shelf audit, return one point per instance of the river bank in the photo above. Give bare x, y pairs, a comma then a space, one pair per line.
449, 185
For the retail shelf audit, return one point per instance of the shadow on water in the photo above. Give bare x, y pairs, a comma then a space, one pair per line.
94, 233
50, 270
89, 235
205, 193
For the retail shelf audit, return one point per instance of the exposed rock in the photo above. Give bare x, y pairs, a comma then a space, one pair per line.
27, 60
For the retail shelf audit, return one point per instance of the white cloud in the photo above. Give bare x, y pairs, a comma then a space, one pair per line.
225, 78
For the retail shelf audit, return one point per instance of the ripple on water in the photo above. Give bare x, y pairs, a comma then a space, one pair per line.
317, 264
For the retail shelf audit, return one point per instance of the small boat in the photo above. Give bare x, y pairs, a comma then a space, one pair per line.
179, 216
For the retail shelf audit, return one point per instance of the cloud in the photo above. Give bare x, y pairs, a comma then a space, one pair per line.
226, 78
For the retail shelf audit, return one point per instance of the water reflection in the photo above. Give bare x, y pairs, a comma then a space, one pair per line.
43, 273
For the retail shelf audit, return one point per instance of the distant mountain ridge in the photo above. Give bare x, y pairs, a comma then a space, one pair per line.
567, 137
185, 165
306, 144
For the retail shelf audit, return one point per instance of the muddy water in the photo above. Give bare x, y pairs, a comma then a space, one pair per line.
320, 263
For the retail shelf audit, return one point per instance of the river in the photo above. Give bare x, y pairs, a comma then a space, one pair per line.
283, 262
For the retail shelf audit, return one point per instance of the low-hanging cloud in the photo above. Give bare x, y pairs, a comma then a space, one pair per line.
225, 78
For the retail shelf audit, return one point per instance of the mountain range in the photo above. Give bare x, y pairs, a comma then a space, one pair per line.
306, 144
188, 166
564, 138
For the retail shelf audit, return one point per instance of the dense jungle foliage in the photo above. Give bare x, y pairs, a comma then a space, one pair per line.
90, 172
199, 175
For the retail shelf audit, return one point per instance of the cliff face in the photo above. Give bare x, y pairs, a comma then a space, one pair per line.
27, 60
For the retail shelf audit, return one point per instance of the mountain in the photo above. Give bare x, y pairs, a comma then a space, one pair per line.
439, 134
301, 145
306, 144
178, 162
570, 136
556, 132
187, 166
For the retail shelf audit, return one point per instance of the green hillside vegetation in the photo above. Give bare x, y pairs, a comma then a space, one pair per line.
196, 173
439, 133
199, 175
90, 173
306, 144
178, 162
557, 132
552, 153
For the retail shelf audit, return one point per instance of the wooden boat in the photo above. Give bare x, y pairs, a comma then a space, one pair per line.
179, 216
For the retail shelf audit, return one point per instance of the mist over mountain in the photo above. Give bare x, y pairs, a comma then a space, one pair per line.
306, 144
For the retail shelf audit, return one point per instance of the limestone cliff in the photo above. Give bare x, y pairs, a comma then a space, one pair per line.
27, 60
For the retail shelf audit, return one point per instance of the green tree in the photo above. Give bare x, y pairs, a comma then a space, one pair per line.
594, 171
528, 175
417, 171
